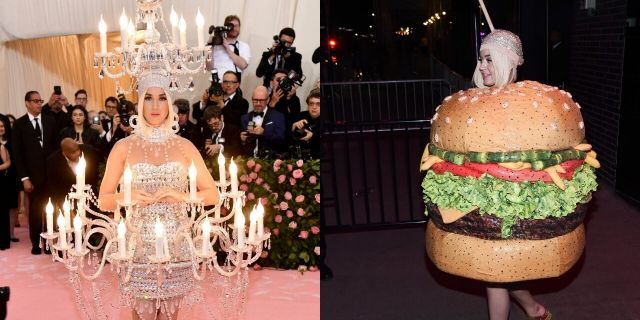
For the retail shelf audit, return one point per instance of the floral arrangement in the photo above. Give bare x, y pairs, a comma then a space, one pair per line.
290, 192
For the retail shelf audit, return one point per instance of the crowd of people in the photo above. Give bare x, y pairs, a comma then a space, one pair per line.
40, 150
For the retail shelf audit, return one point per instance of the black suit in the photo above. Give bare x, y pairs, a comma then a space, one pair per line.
234, 110
89, 135
272, 139
30, 158
60, 176
293, 62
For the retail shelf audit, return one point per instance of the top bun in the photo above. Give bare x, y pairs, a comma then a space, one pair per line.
520, 116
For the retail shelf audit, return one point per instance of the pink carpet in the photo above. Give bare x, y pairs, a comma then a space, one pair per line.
40, 289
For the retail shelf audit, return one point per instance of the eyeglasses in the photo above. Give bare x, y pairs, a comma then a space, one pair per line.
258, 100
39, 101
111, 107
229, 82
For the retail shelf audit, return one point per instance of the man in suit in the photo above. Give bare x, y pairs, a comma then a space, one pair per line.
234, 104
61, 169
263, 129
280, 56
34, 139
219, 135
187, 128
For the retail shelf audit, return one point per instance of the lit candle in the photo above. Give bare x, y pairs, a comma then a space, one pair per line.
252, 225
77, 230
240, 227
122, 231
131, 31
192, 182
223, 177
123, 29
174, 26
237, 211
159, 239
67, 212
62, 241
206, 233
260, 212
127, 185
80, 172
183, 32
200, 25
49, 210
217, 211
233, 171
102, 26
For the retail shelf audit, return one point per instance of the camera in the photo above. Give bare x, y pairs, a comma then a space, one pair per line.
218, 34
216, 88
57, 90
123, 110
96, 120
300, 133
292, 78
281, 47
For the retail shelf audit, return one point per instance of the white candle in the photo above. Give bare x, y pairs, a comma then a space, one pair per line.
124, 21
193, 173
233, 171
62, 232
174, 26
221, 163
127, 185
80, 172
159, 239
102, 26
49, 210
200, 25
217, 211
260, 212
77, 230
252, 225
237, 211
183, 32
131, 31
240, 227
67, 212
122, 231
206, 233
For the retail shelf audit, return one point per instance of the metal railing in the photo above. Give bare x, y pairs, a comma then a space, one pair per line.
370, 174
382, 100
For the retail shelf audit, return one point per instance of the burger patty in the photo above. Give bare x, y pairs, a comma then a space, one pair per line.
488, 226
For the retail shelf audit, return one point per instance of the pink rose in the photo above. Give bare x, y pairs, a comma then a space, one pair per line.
289, 214
257, 168
249, 180
289, 167
253, 175
313, 268
277, 163
251, 196
300, 212
292, 181
317, 197
264, 201
293, 225
251, 163
297, 174
244, 187
284, 206
316, 250
243, 178
299, 163
303, 234
259, 180
287, 195
315, 230
257, 267
276, 232
313, 179
278, 218
300, 198
281, 178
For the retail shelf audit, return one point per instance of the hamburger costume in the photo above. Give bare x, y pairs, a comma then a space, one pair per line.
508, 175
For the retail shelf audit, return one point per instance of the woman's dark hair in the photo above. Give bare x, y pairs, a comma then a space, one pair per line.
7, 130
84, 111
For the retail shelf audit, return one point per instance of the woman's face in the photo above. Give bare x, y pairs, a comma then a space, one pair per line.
486, 68
156, 107
77, 116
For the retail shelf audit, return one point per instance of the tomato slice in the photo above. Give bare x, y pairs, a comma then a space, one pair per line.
472, 169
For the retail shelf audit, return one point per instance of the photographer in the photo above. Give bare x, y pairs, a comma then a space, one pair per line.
283, 97
282, 55
262, 130
57, 107
213, 96
187, 128
229, 53
219, 135
118, 127
307, 130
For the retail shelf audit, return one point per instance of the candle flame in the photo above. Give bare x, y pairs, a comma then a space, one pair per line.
123, 20
102, 26
199, 19
49, 207
61, 223
182, 24
173, 17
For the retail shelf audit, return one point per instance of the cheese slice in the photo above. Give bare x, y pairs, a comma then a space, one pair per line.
450, 215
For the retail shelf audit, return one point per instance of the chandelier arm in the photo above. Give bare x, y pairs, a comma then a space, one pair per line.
194, 258
104, 257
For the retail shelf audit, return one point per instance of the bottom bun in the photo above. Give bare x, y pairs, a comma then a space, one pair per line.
503, 260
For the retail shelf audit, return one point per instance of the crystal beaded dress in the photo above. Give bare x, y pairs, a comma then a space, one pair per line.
158, 160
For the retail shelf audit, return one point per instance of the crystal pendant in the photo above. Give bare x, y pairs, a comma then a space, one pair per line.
101, 74
191, 85
95, 62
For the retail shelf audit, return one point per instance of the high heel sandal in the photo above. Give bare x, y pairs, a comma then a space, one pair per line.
545, 316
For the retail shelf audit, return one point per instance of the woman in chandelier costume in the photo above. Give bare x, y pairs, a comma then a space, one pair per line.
158, 159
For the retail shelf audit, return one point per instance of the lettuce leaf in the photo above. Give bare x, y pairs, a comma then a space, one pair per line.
509, 200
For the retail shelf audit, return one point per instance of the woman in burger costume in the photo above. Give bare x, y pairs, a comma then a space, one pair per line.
500, 56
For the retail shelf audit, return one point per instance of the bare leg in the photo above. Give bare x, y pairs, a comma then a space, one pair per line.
498, 301
530, 305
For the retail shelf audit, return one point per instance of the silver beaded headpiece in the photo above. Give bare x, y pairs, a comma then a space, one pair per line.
153, 77
507, 43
